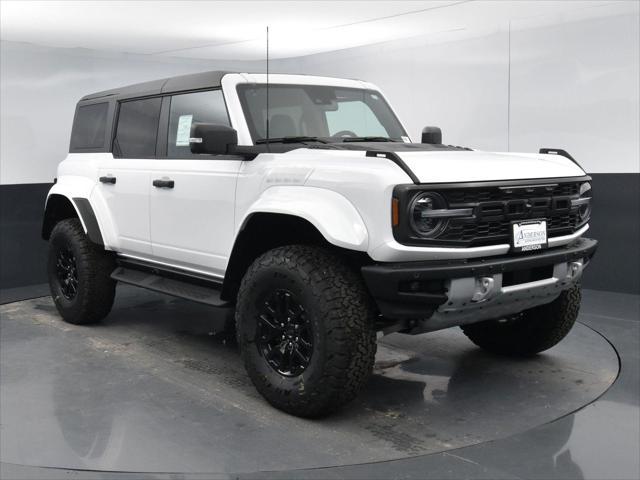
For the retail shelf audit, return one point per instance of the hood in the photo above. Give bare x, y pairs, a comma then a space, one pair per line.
448, 164
474, 166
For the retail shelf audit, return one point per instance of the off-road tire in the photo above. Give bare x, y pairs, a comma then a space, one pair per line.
533, 331
342, 317
95, 290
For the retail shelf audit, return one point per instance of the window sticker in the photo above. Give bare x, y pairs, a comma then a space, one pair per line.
184, 130
406, 139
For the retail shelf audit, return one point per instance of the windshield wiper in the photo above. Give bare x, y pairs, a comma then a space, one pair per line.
299, 139
367, 139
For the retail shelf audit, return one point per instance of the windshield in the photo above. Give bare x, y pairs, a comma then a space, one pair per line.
312, 111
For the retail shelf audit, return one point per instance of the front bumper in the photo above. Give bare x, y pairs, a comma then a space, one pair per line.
439, 294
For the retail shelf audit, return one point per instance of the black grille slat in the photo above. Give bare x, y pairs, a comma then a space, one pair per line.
476, 195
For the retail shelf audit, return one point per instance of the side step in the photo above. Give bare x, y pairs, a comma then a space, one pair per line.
207, 294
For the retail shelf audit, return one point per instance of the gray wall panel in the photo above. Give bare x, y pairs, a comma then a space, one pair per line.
39, 89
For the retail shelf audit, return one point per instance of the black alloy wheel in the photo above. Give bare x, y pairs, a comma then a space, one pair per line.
284, 336
67, 273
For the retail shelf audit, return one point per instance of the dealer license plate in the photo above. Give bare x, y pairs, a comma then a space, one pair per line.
529, 235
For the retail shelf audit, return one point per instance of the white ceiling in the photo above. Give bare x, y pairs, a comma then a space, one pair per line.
236, 29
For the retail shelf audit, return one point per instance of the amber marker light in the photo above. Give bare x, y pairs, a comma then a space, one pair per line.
395, 218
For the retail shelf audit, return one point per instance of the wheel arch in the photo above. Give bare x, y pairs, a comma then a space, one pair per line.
60, 207
330, 212
264, 231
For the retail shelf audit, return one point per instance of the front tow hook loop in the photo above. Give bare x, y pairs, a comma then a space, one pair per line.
484, 286
575, 268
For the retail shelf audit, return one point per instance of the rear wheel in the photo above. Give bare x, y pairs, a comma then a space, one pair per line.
531, 331
79, 274
305, 326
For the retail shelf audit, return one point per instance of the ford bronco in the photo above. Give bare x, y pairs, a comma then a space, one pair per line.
300, 204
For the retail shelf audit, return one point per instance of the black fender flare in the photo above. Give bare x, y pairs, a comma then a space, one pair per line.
59, 207
88, 217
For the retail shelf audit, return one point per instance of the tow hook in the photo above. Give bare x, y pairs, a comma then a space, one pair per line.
484, 286
575, 268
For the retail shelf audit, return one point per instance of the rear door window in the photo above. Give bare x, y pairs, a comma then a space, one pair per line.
189, 108
89, 126
137, 129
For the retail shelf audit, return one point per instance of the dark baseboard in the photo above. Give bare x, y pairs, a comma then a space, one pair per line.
23, 253
17, 294
616, 224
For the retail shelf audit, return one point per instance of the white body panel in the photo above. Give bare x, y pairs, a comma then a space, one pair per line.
344, 194
451, 167
76, 179
125, 205
192, 224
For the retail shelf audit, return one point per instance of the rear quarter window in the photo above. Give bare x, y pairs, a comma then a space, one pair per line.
137, 128
89, 127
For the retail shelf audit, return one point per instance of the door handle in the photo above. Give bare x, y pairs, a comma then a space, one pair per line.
158, 183
108, 179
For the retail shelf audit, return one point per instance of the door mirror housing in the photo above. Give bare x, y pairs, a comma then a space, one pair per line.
432, 135
212, 139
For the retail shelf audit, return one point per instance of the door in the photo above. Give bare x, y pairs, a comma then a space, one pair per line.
125, 179
192, 196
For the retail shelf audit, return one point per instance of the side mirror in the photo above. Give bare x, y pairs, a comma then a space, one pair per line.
432, 135
212, 139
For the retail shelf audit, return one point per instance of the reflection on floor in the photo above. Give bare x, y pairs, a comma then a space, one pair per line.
155, 388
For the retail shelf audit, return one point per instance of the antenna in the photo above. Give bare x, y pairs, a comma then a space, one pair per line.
268, 136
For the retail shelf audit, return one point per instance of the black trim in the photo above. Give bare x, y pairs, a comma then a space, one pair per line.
162, 137
160, 183
393, 146
173, 273
500, 183
177, 288
89, 220
384, 280
397, 160
108, 179
561, 152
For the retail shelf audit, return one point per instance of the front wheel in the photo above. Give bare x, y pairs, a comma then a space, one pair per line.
531, 331
305, 326
79, 274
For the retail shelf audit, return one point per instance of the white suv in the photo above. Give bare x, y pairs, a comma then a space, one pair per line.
302, 204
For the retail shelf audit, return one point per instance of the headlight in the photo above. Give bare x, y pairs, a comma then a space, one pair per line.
424, 214
584, 202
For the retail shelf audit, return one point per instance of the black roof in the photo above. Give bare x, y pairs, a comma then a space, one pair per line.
180, 83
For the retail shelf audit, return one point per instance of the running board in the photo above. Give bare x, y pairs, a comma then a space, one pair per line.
207, 294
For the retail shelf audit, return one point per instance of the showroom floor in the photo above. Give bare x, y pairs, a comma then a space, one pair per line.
103, 398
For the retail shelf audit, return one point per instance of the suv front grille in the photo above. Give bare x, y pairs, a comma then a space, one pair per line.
483, 233
495, 206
